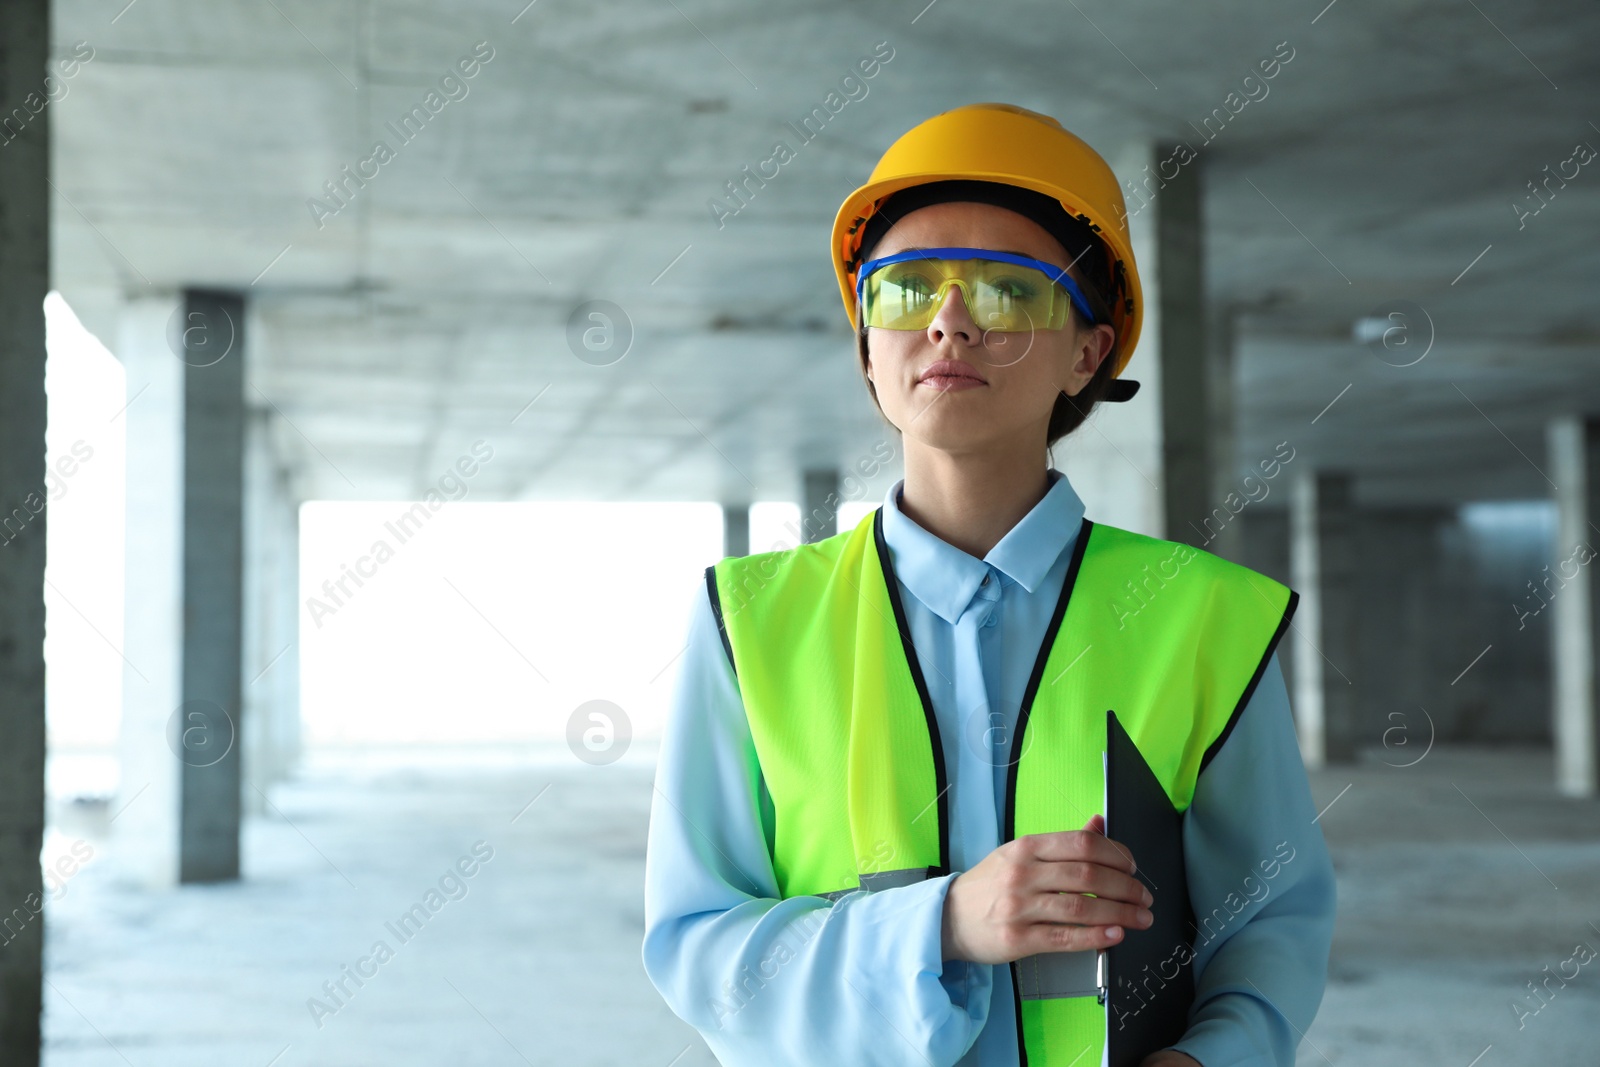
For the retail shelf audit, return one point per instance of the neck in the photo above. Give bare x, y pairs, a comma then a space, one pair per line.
971, 501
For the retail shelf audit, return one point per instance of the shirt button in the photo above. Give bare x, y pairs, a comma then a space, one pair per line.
990, 620
985, 580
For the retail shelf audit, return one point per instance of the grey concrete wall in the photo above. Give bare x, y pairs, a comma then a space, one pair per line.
1417, 619
24, 280
1483, 572
1434, 592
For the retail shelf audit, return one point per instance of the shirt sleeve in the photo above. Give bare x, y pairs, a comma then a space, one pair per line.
769, 981
1262, 886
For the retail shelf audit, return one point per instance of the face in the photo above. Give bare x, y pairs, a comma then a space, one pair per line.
997, 388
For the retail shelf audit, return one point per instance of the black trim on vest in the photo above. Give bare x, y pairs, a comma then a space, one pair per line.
1255, 679
1028, 695
937, 744
716, 610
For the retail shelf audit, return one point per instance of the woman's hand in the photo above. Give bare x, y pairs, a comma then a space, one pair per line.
1027, 896
1169, 1057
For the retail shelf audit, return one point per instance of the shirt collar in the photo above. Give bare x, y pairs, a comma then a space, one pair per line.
946, 579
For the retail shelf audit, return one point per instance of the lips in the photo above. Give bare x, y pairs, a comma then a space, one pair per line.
951, 371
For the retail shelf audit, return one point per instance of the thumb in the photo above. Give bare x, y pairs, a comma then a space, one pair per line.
1096, 824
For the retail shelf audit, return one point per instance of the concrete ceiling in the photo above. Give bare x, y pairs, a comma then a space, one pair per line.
1382, 165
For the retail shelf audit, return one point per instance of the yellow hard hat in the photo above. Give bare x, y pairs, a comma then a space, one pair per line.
1013, 146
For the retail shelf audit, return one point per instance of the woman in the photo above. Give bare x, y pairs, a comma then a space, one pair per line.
881, 778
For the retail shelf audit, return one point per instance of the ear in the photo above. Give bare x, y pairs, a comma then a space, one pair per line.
1095, 345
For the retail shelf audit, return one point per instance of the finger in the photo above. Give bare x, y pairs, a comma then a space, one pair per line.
1118, 848
1079, 845
1097, 825
1065, 937
1083, 910
1082, 876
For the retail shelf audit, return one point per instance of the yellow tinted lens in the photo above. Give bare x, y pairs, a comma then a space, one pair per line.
1011, 297
904, 296
999, 296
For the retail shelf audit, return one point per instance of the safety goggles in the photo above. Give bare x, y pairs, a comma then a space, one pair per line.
1003, 292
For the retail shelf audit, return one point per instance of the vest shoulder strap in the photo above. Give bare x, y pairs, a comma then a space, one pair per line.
779, 587
1147, 600
816, 633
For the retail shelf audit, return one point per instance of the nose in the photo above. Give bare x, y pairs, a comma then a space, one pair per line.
953, 320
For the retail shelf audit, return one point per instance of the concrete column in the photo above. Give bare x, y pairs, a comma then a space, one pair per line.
736, 529
1323, 558
1115, 462
1221, 529
285, 726
213, 585
271, 705
1263, 541
24, 281
180, 792
1304, 569
1195, 350
1574, 445
1187, 458
819, 504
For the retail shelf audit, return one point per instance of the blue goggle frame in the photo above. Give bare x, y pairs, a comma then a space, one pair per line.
1056, 274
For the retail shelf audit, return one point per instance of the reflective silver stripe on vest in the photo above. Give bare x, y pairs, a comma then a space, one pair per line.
882, 880
1049, 975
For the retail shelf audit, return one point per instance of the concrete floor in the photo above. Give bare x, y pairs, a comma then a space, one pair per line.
1446, 912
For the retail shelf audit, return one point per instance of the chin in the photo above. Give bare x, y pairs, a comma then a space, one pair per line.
952, 434
950, 425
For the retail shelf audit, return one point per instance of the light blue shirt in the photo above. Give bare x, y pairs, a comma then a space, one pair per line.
861, 980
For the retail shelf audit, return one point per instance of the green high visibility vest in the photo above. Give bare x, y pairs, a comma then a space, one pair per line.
1174, 639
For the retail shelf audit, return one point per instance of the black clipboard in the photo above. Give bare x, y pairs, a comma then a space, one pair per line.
1148, 977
